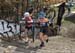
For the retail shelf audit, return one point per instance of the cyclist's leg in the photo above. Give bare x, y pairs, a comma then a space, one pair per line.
30, 35
41, 35
26, 39
45, 34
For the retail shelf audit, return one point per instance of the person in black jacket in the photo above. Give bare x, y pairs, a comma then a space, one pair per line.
30, 10
61, 12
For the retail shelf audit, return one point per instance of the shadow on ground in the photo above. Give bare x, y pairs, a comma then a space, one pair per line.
20, 47
70, 17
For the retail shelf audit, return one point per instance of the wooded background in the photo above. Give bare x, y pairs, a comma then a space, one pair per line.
16, 8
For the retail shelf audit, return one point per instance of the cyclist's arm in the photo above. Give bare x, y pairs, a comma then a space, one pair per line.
30, 21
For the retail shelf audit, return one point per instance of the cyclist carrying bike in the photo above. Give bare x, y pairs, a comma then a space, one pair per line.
28, 19
43, 28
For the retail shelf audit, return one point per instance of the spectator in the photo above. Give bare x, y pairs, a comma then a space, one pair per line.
61, 12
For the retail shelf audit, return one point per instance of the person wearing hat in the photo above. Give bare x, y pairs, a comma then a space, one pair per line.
43, 28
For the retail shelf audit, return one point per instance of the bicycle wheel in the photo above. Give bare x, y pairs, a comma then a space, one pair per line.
51, 13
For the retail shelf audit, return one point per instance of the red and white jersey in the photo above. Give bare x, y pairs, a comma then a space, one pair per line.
28, 20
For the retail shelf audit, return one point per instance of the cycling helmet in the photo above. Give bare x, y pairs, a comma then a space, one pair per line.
41, 15
26, 14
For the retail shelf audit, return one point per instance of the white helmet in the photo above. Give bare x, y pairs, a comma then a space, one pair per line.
26, 14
